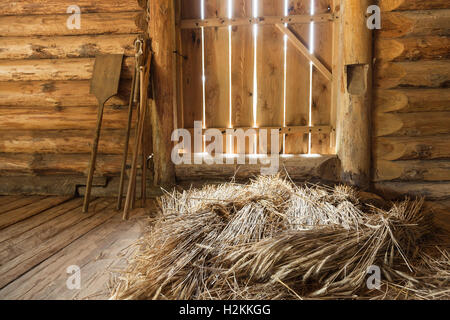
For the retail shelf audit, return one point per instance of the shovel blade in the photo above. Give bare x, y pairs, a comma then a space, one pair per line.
106, 76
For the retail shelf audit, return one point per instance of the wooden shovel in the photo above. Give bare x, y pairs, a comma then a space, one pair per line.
104, 85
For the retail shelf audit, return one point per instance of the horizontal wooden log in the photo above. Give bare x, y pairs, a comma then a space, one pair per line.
299, 168
415, 24
46, 185
413, 49
433, 170
431, 74
56, 25
60, 118
56, 164
62, 141
66, 46
112, 188
55, 69
391, 5
56, 94
412, 100
34, 7
416, 148
412, 124
399, 190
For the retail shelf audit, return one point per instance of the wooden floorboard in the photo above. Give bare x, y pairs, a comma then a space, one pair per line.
11, 217
37, 220
36, 251
4, 200
35, 254
96, 271
19, 203
20, 244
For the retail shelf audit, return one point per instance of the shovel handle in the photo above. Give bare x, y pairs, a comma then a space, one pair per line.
127, 142
87, 196
137, 146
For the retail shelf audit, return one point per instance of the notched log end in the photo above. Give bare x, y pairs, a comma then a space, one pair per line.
141, 21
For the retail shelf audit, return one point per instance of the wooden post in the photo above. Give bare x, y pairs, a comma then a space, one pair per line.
354, 110
163, 35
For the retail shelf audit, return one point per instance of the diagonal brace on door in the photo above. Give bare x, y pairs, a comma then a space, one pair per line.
304, 50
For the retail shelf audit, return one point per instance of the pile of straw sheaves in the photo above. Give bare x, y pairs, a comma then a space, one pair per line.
271, 239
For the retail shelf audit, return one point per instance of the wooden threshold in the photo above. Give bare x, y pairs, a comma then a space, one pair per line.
298, 167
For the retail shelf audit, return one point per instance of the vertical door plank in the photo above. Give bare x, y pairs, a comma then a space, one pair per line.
297, 82
321, 87
192, 69
270, 68
179, 70
242, 69
336, 54
217, 68
192, 65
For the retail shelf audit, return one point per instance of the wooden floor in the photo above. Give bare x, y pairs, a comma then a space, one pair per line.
40, 237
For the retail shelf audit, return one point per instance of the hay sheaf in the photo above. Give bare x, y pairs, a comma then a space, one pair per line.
271, 239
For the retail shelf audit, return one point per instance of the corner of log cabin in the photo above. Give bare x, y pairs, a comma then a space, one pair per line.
411, 135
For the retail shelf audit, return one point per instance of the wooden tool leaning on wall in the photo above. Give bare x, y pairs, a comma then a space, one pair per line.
139, 145
134, 99
104, 85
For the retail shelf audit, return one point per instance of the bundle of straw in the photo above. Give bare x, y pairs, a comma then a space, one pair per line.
271, 239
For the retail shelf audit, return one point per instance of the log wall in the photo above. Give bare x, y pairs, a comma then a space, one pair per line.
47, 116
411, 149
